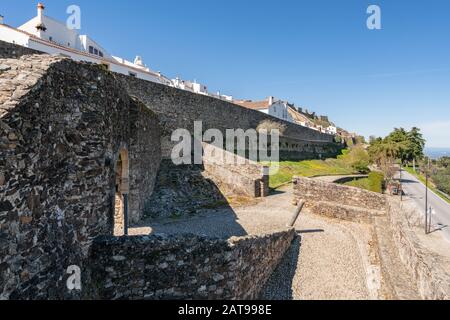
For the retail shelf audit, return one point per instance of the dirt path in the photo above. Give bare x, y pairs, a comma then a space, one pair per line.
327, 265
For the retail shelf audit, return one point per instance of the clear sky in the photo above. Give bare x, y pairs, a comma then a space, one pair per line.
318, 54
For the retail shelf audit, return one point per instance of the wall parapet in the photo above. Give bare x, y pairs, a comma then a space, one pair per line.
316, 190
427, 268
236, 174
9, 50
185, 266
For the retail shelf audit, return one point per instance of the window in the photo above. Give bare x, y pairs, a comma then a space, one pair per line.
100, 54
132, 74
96, 51
50, 38
91, 49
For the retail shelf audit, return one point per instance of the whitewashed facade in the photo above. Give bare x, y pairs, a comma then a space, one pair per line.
280, 110
45, 34
48, 35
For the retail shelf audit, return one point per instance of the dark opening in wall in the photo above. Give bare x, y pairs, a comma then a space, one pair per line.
121, 193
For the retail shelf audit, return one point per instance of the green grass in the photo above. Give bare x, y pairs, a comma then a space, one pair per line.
373, 183
422, 179
308, 168
351, 161
359, 183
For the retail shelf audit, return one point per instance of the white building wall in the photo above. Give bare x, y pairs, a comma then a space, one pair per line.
56, 32
279, 110
13, 36
58, 39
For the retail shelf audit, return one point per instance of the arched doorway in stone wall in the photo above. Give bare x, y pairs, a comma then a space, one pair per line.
122, 189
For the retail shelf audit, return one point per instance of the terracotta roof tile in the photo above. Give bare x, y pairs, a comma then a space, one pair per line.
254, 105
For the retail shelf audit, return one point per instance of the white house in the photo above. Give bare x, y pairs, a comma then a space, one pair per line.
270, 106
331, 130
190, 86
48, 35
194, 86
280, 110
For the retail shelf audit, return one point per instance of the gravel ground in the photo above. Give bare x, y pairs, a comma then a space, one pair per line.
326, 266
330, 263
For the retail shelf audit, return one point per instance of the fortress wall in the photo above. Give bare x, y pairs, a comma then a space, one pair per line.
236, 175
9, 50
339, 201
62, 125
429, 269
145, 158
178, 108
313, 190
185, 267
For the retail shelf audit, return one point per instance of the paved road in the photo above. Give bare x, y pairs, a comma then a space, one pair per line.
414, 189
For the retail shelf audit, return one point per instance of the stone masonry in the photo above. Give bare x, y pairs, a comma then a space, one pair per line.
62, 125
185, 267
339, 201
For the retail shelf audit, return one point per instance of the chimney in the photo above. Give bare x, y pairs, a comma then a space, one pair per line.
1, 19
40, 10
138, 61
271, 100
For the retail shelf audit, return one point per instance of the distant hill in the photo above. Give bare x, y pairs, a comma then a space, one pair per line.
436, 153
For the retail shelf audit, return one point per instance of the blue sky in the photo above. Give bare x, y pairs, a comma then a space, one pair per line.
316, 53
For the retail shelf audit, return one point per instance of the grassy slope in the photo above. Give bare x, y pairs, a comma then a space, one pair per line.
309, 168
373, 183
360, 183
431, 186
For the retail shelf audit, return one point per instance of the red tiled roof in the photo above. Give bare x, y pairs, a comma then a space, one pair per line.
254, 105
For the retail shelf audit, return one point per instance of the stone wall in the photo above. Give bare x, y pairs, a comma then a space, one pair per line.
179, 109
316, 190
338, 201
145, 158
182, 190
9, 50
185, 267
235, 175
62, 125
429, 269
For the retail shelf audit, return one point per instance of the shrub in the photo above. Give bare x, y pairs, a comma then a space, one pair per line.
376, 182
442, 180
269, 125
361, 166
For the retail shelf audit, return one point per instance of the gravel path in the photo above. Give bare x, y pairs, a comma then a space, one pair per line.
326, 266
329, 263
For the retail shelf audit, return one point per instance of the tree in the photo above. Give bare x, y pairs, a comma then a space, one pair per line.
400, 142
417, 144
383, 153
444, 162
410, 144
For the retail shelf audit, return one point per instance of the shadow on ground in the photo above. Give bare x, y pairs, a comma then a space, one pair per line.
279, 286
